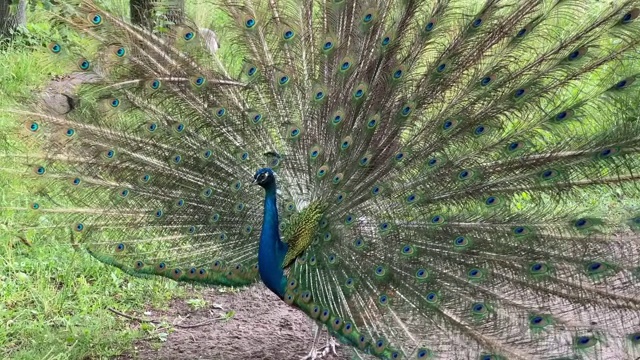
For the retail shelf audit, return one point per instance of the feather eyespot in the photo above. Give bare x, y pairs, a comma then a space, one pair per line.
96, 19
577, 54
522, 33
519, 93
288, 34
188, 36
55, 48
630, 16
423, 353
422, 274
84, 64
250, 23
429, 26
120, 52
198, 81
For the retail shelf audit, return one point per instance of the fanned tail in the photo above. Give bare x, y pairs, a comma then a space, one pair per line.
453, 147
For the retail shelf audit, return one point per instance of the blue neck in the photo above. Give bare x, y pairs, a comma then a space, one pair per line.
272, 250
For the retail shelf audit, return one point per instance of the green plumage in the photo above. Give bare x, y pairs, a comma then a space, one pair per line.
301, 230
445, 169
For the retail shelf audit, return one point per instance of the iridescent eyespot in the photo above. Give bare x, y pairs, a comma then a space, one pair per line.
486, 81
40, 170
96, 19
55, 48
84, 64
479, 130
522, 32
630, 16
79, 227
188, 36
115, 103
199, 81
327, 45
69, 132
76, 181
250, 23
288, 35
477, 23
441, 67
429, 26
120, 52
422, 274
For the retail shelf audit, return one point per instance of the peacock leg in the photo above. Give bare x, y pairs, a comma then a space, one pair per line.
330, 347
313, 353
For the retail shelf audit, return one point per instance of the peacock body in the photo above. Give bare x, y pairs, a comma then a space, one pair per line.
425, 167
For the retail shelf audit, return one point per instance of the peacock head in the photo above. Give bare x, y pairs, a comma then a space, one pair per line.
265, 178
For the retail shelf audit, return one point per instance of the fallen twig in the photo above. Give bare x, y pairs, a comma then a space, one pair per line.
134, 318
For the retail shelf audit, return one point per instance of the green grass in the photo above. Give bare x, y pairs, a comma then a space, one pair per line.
54, 299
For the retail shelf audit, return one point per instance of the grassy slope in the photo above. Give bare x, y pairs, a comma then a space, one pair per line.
54, 299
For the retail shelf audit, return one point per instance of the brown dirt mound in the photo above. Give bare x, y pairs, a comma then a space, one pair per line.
263, 327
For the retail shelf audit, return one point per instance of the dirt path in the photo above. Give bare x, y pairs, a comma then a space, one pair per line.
263, 327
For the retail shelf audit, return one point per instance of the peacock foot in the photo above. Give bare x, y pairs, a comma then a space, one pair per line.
316, 354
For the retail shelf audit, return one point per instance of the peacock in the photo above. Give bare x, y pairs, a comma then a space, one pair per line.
424, 179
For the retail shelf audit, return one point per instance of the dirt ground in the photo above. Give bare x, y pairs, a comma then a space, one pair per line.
263, 327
